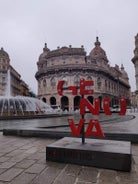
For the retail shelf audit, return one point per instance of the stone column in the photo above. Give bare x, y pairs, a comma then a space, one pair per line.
71, 102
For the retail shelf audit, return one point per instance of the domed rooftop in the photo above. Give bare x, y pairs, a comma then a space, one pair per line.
3, 53
124, 73
45, 52
98, 52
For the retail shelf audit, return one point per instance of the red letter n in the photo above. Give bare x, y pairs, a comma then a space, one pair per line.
94, 109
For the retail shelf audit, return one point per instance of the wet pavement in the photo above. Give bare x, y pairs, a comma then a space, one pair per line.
23, 161
61, 122
115, 127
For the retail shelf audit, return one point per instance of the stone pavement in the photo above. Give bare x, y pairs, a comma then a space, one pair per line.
23, 161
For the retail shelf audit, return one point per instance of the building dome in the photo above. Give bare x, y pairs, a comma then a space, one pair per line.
98, 52
124, 73
45, 52
3, 54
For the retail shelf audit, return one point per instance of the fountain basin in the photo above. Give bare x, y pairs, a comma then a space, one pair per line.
22, 106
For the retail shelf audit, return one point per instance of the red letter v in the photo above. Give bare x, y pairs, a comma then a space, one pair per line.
76, 131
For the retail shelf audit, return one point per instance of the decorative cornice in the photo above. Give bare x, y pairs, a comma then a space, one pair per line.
86, 69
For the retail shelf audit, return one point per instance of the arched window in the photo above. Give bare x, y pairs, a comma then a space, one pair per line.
64, 103
53, 81
77, 80
112, 88
44, 99
39, 83
52, 101
44, 82
99, 82
65, 81
106, 85
89, 78
109, 85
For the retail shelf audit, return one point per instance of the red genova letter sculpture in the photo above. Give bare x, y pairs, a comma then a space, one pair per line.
93, 128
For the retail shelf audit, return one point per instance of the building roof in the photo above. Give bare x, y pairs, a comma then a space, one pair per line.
98, 52
45, 52
124, 73
3, 53
66, 51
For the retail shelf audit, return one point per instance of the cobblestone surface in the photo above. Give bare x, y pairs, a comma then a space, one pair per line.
23, 161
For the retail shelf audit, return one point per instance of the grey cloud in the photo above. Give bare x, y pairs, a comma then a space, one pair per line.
27, 25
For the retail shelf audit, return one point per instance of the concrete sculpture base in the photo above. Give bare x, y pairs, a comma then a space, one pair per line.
108, 154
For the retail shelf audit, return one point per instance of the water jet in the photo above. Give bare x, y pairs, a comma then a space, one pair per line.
11, 106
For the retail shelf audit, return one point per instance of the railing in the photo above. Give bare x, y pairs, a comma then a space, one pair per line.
73, 66
86, 66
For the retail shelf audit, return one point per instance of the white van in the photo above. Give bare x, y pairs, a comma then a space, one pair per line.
115, 108
56, 108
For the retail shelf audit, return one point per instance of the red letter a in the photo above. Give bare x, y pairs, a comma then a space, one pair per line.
76, 131
94, 124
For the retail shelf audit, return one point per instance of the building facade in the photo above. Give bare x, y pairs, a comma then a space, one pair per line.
72, 64
135, 62
18, 86
134, 99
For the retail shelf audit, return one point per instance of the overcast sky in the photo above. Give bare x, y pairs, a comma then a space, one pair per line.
25, 25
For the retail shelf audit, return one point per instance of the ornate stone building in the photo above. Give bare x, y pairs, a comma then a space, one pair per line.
71, 64
18, 86
135, 62
133, 99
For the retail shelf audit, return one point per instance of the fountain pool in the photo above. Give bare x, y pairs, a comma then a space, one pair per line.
20, 105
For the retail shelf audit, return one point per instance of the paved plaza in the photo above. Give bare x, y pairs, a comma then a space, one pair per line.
23, 161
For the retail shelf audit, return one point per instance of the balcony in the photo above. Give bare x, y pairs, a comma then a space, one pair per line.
70, 67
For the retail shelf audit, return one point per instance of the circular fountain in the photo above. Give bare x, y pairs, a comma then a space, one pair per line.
21, 105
